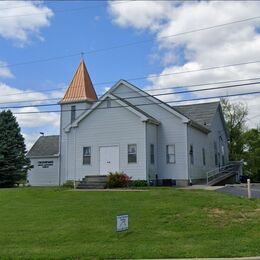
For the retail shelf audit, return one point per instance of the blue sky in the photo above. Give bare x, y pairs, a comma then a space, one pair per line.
75, 32
58, 29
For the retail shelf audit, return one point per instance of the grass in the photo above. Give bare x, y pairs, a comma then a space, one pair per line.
56, 223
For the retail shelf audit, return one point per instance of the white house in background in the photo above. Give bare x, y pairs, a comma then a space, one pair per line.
129, 130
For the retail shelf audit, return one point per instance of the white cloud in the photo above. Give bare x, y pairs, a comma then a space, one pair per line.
5, 71
21, 19
30, 139
32, 118
35, 122
11, 94
139, 14
105, 89
226, 45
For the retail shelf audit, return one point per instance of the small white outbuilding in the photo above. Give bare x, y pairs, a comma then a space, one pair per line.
44, 156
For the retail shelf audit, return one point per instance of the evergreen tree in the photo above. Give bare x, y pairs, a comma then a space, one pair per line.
13, 162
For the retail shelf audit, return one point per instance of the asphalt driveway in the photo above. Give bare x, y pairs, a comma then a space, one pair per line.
241, 190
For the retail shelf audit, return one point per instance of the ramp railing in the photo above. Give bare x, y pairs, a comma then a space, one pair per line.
220, 173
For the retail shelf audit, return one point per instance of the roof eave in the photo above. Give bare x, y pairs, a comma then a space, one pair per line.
158, 101
199, 127
71, 101
151, 121
42, 156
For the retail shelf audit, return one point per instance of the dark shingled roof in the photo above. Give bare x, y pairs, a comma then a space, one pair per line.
201, 113
45, 146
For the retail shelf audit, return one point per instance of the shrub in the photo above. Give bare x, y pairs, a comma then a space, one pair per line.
118, 180
68, 184
138, 183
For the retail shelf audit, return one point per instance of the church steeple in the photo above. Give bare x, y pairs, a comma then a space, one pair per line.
81, 88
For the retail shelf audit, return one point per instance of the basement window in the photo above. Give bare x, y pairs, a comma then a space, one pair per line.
170, 153
86, 155
132, 153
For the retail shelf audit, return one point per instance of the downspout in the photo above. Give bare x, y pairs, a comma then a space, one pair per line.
67, 161
157, 157
75, 172
145, 146
60, 149
188, 155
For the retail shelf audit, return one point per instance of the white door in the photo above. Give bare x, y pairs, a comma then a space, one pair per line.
108, 159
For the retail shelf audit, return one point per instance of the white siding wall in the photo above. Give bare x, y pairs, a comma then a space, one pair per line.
39, 176
121, 127
171, 131
65, 120
199, 141
217, 132
107, 127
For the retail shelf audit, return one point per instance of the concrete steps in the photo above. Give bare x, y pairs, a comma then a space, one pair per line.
93, 182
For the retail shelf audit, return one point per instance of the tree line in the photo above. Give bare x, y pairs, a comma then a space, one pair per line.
244, 142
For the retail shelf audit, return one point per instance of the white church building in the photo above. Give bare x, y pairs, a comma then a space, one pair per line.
128, 130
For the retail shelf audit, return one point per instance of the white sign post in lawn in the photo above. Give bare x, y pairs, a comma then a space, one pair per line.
121, 223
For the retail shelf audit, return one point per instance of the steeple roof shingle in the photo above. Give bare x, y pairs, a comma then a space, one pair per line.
81, 87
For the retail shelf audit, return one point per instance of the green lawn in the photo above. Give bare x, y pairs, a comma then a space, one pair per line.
164, 223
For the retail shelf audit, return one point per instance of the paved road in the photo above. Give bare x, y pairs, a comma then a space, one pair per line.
241, 191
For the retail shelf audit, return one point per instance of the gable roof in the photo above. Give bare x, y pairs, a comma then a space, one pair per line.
152, 119
144, 116
45, 146
81, 87
159, 102
172, 109
150, 97
202, 113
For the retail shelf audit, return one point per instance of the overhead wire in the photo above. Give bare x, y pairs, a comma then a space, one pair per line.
145, 104
151, 76
155, 76
136, 97
82, 8
123, 45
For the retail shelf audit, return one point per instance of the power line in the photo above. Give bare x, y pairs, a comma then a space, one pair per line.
63, 10
153, 89
136, 97
156, 76
183, 72
21, 6
14, 7
145, 104
127, 44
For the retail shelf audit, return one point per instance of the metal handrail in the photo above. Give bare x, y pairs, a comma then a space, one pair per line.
221, 171
216, 171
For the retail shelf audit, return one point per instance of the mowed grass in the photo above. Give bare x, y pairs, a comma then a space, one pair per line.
55, 223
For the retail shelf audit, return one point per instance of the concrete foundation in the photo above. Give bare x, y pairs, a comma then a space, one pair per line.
182, 183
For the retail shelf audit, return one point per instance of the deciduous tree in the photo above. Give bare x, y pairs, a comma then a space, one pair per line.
252, 153
235, 116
